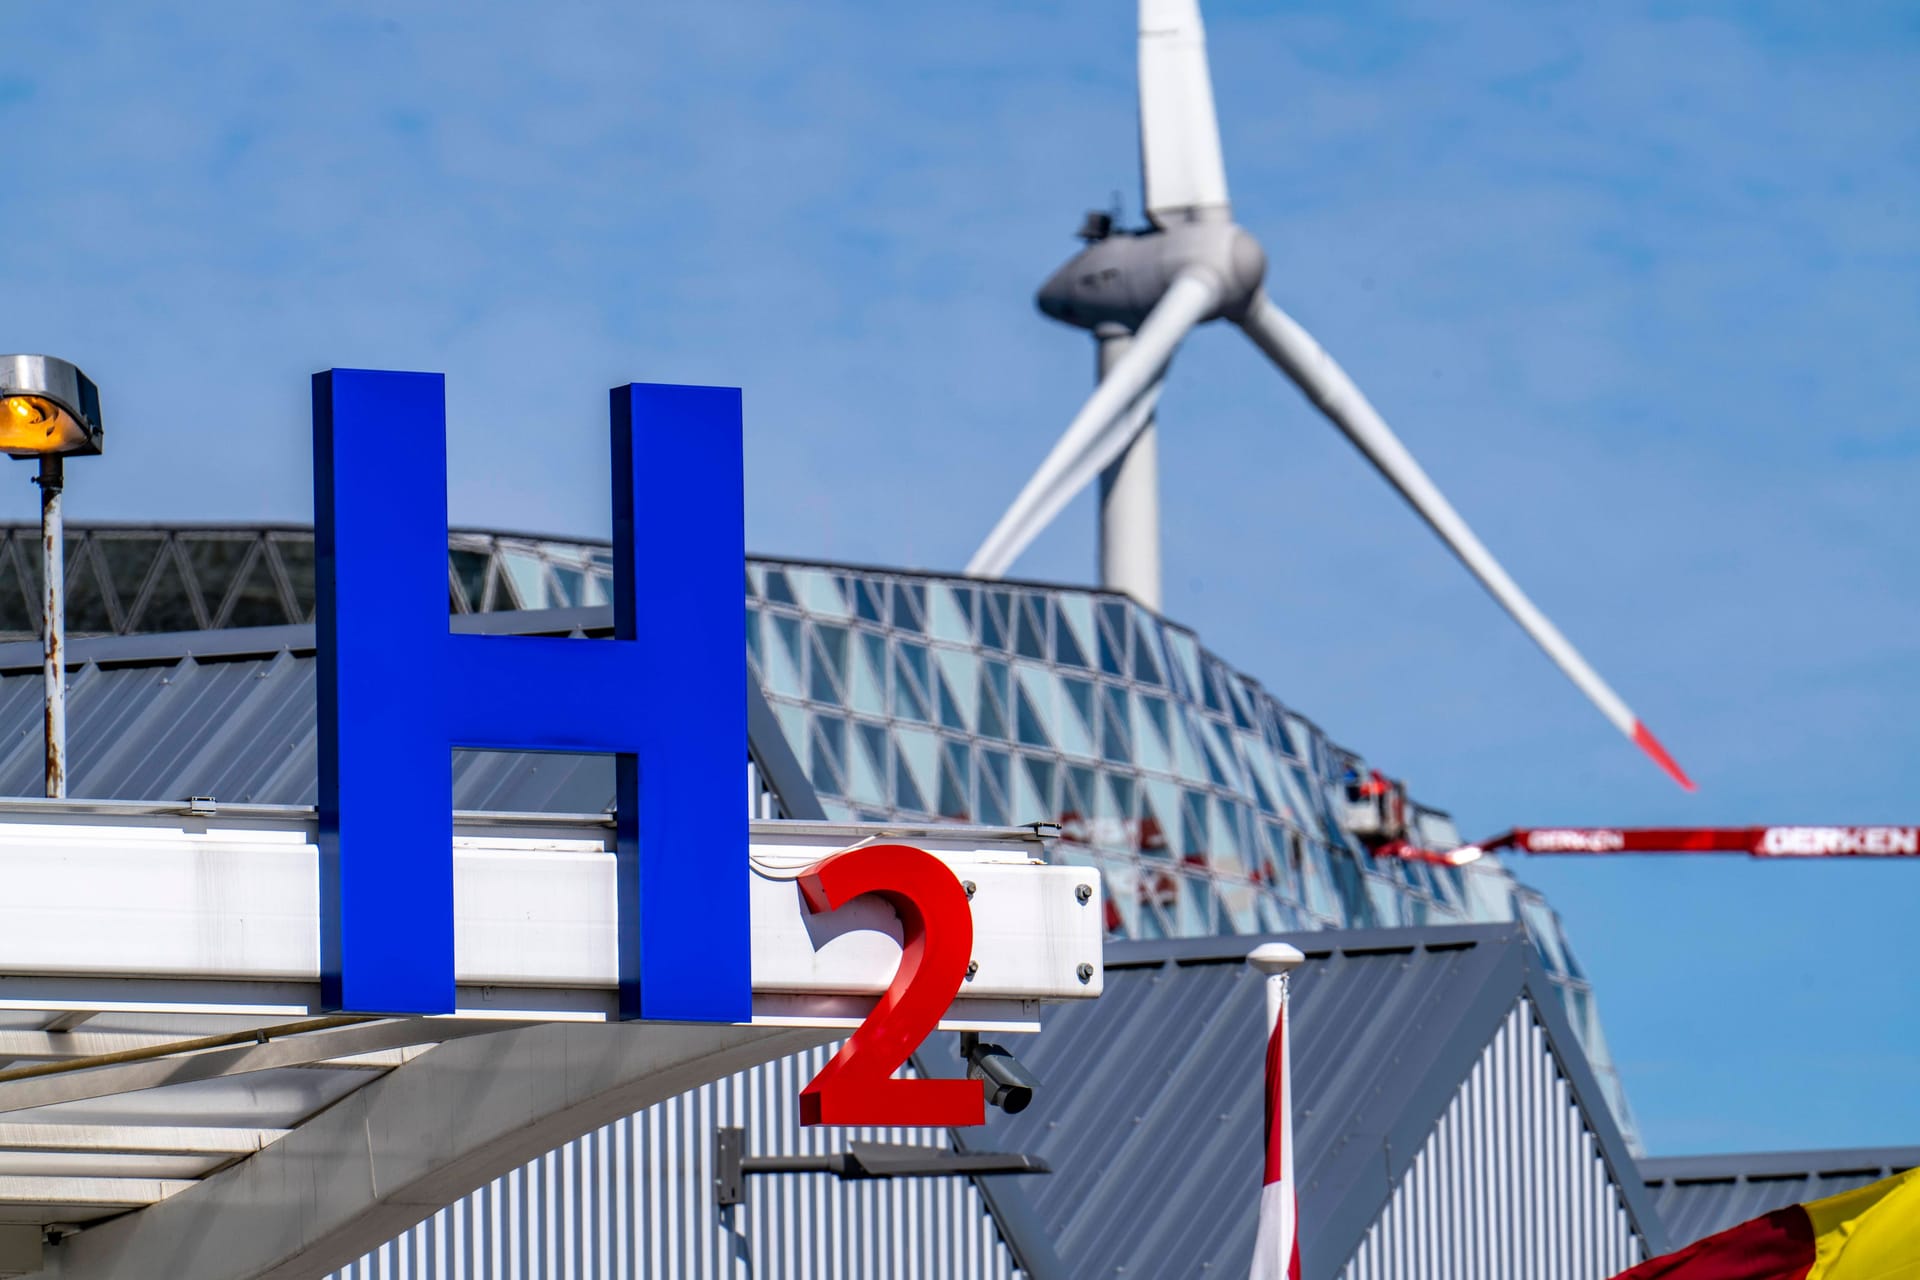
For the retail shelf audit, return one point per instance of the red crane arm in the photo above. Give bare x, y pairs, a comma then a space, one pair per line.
1760, 842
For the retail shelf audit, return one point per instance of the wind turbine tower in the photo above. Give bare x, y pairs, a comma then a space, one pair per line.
1140, 292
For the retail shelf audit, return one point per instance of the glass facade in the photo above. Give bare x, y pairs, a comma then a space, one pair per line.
1207, 805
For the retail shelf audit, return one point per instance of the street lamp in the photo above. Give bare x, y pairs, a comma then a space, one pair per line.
48, 410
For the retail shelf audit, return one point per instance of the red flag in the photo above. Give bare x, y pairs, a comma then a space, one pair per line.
1276, 1249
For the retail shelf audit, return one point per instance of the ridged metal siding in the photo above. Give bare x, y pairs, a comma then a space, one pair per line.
635, 1199
1510, 1185
1700, 1195
1151, 1106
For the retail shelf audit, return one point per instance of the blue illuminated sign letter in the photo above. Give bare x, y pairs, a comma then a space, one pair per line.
398, 692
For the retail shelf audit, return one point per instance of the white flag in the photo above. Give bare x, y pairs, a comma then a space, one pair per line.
1276, 1250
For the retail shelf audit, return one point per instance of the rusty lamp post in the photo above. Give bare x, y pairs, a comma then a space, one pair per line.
49, 410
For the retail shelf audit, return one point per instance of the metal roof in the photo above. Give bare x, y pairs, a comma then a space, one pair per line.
1151, 1108
1700, 1195
230, 715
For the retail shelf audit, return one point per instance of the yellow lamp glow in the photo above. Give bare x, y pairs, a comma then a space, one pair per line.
34, 425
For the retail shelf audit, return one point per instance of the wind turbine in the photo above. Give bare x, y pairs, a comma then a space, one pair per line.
1141, 292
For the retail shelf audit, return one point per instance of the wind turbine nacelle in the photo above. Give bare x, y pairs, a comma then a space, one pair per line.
1115, 281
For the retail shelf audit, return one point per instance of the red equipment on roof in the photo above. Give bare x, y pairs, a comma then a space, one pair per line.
1760, 842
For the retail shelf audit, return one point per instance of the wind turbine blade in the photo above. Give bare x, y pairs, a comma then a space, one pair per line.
1328, 386
1180, 166
1104, 427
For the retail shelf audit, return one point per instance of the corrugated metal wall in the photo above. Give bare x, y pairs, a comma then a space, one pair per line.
635, 1199
1510, 1184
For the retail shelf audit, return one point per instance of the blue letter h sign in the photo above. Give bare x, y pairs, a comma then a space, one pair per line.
398, 691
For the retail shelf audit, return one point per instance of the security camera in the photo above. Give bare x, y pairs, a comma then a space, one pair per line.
1010, 1086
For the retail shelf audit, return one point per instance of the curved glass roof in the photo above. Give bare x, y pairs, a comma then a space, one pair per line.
1208, 805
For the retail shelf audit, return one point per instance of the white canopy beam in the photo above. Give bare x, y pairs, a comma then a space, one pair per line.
413, 1141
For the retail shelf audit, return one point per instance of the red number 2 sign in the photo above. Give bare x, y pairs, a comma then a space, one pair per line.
936, 944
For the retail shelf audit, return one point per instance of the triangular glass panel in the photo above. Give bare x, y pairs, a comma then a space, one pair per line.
822, 768
1080, 697
833, 732
819, 592
526, 580
1229, 755
569, 586
1115, 725
993, 620
1040, 775
996, 677
1277, 735
915, 657
1242, 717
1123, 791
1209, 752
788, 629
1197, 916
169, 604
1026, 801
820, 682
753, 637
953, 796
1113, 652
1261, 795
1186, 659
960, 672
469, 572
1149, 924
18, 617
866, 600
1066, 651
945, 620
1210, 688
1193, 825
1151, 838
1074, 802
782, 668
216, 560
867, 691
1146, 667
1223, 843
833, 646
950, 716
863, 773
994, 784
907, 700
958, 757
123, 562
1085, 788
964, 597
905, 791
1072, 625
874, 739
1030, 641
993, 723
498, 594
1149, 740
918, 751
87, 612
779, 590
257, 602
909, 606
1029, 727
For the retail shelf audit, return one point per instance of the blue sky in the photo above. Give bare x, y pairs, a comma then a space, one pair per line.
1639, 283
